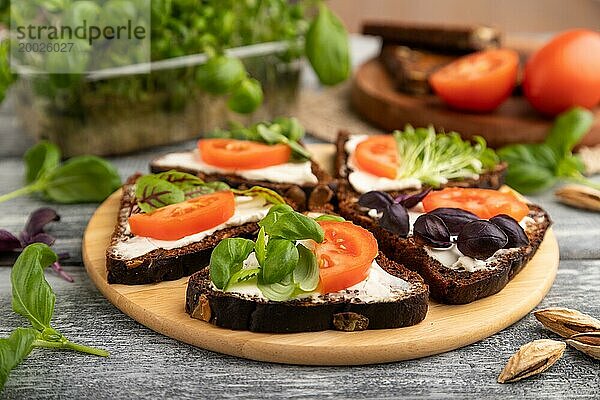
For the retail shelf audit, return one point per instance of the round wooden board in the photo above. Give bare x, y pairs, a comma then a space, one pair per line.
375, 98
161, 307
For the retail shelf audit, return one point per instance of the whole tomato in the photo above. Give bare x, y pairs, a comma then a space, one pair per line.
564, 73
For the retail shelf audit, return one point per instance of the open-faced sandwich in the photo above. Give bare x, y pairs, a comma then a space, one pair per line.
169, 223
305, 274
266, 154
465, 241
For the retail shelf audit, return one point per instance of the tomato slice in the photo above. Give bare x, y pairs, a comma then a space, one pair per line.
378, 156
242, 154
484, 203
186, 218
345, 256
477, 82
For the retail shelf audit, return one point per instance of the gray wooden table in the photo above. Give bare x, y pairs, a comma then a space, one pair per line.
146, 364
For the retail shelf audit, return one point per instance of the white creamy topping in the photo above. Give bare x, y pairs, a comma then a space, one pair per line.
298, 173
247, 209
363, 181
379, 286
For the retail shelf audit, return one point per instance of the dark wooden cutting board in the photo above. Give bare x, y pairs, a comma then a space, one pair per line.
376, 99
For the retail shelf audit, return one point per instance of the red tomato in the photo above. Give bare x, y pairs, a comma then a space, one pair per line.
484, 203
183, 219
345, 255
477, 82
242, 154
378, 156
564, 73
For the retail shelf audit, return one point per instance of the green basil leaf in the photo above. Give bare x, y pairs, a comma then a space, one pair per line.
290, 128
570, 167
14, 349
259, 191
227, 258
246, 97
568, 130
260, 246
535, 154
306, 273
82, 179
152, 193
278, 291
291, 225
220, 74
280, 260
529, 178
269, 136
243, 275
41, 159
329, 217
32, 296
274, 214
299, 150
327, 47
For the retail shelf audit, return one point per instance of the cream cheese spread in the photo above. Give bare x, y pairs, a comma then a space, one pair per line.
297, 173
247, 209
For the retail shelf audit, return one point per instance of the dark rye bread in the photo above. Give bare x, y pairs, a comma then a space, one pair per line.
160, 264
235, 311
314, 197
493, 179
447, 285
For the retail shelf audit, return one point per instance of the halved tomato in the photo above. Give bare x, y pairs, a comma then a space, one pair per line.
378, 156
183, 219
345, 256
485, 203
242, 154
477, 82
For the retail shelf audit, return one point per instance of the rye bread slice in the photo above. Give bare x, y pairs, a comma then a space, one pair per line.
241, 312
448, 285
493, 179
161, 264
313, 197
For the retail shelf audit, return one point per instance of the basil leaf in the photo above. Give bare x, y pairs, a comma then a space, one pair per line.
280, 260
570, 167
268, 135
306, 273
327, 47
227, 258
243, 275
82, 179
246, 97
260, 247
33, 297
278, 291
531, 167
14, 349
291, 225
153, 193
182, 180
274, 214
267, 194
41, 159
290, 128
568, 130
329, 217
220, 74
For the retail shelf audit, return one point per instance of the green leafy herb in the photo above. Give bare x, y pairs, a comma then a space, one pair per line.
306, 273
269, 195
329, 217
34, 299
278, 291
246, 97
184, 181
286, 131
291, 225
536, 167
280, 260
220, 74
260, 247
227, 259
435, 159
327, 47
243, 275
80, 180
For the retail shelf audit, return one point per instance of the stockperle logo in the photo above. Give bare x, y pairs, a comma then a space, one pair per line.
81, 36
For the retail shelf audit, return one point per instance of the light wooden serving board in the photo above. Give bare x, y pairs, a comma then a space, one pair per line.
161, 307
375, 98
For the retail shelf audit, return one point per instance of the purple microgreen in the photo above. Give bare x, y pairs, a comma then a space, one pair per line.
411, 200
8, 241
481, 239
375, 200
515, 232
39, 219
430, 230
395, 219
454, 218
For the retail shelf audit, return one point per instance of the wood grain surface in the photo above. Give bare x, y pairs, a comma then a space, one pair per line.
374, 97
446, 327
